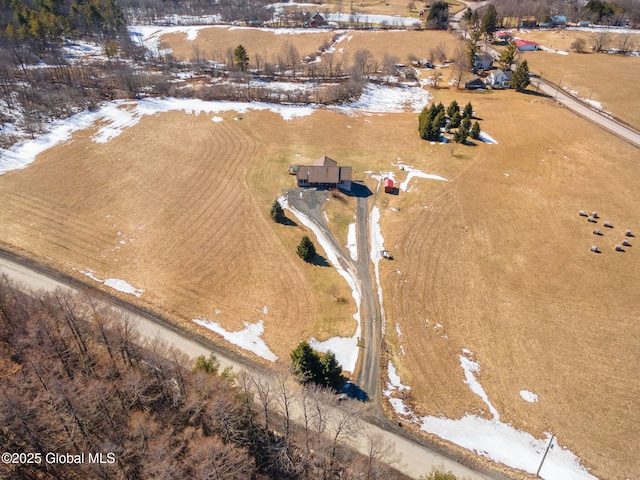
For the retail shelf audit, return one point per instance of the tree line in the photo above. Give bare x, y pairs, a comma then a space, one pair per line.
76, 377
601, 12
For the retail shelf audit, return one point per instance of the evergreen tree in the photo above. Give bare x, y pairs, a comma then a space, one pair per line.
466, 125
438, 17
475, 131
455, 120
430, 122
306, 249
460, 136
453, 108
209, 365
489, 21
240, 57
306, 363
468, 13
331, 371
320, 368
440, 121
423, 120
507, 56
472, 52
277, 213
468, 110
520, 79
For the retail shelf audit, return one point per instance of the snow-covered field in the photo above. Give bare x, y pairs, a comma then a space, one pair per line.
385, 99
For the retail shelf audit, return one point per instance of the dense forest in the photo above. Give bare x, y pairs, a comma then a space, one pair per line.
76, 378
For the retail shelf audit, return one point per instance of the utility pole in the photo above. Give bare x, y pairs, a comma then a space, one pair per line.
557, 90
544, 456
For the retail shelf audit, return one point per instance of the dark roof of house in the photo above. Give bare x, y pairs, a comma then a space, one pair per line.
484, 57
324, 170
325, 161
475, 81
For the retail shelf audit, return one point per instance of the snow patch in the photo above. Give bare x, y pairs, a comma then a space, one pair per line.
377, 245
123, 286
486, 138
393, 386
352, 245
115, 283
413, 172
528, 396
249, 338
386, 99
503, 443
551, 50
470, 369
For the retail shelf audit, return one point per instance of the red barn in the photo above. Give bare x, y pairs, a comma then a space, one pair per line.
388, 185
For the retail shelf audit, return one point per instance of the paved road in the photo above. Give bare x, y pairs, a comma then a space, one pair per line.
588, 113
415, 457
367, 374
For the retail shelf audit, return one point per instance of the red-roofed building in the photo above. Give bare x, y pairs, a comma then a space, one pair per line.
526, 45
505, 36
388, 185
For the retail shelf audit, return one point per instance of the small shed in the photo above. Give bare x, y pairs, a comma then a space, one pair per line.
388, 185
475, 84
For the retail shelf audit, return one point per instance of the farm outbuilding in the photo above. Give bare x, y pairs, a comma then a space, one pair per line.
388, 185
526, 45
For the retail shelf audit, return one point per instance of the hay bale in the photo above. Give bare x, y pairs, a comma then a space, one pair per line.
626, 243
594, 249
582, 213
591, 219
628, 233
607, 224
594, 214
619, 248
596, 231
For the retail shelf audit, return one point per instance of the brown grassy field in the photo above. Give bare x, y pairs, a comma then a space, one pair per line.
502, 263
606, 78
399, 43
215, 41
388, 7
178, 220
498, 256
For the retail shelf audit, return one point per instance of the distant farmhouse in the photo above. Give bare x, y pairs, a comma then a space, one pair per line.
483, 62
499, 79
526, 45
316, 20
324, 173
